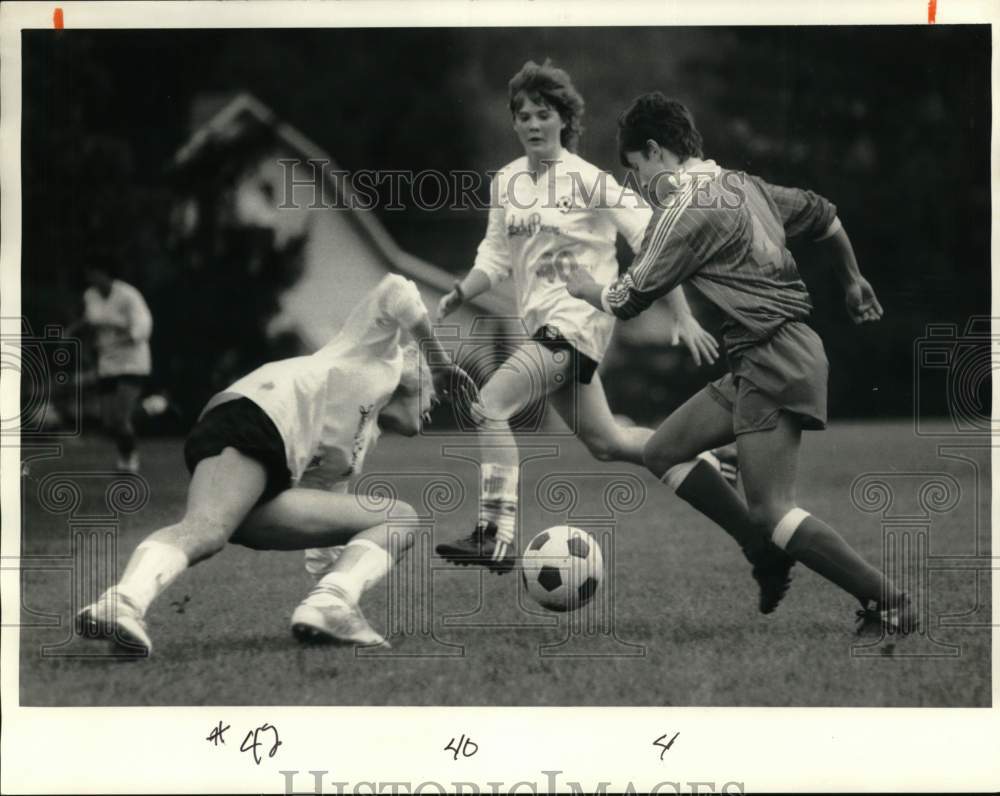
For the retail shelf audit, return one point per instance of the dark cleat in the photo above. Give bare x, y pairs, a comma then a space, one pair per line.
899, 620
772, 570
481, 548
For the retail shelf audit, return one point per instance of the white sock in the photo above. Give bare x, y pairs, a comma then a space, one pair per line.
787, 526
152, 567
498, 499
361, 565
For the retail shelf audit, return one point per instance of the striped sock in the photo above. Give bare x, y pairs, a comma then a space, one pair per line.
498, 500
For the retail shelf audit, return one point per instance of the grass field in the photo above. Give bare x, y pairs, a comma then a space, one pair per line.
685, 629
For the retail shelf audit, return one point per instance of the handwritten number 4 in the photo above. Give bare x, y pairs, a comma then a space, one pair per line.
462, 746
665, 746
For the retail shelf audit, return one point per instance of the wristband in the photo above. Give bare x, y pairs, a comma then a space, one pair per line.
458, 290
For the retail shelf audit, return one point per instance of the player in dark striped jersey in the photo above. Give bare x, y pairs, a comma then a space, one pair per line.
724, 233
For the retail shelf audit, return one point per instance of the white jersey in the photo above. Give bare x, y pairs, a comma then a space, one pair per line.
122, 325
536, 231
326, 405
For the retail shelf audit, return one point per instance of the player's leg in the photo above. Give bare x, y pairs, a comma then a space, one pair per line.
769, 459
223, 490
587, 412
107, 387
584, 408
373, 540
529, 374
124, 402
673, 454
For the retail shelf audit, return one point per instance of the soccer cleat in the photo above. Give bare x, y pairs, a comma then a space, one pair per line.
114, 618
320, 560
772, 571
325, 617
729, 464
480, 548
899, 620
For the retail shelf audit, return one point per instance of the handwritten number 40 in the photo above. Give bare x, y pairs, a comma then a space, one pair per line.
465, 746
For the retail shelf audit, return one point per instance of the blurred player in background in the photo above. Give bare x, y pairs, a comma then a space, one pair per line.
724, 232
116, 314
552, 211
271, 457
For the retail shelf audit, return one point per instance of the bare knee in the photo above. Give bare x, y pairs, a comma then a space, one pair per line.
491, 415
767, 514
603, 448
658, 459
201, 537
402, 528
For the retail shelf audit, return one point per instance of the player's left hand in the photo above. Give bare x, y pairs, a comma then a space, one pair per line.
452, 383
862, 303
579, 281
703, 347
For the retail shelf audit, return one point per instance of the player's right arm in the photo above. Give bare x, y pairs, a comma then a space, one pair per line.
492, 264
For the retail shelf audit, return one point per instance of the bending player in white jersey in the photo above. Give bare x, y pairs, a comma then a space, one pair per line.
552, 212
270, 457
117, 315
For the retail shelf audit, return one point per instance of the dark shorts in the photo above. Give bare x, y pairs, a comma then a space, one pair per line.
787, 373
584, 366
107, 385
242, 425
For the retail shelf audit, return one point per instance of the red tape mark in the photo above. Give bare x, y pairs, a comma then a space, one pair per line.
931, 11
57, 18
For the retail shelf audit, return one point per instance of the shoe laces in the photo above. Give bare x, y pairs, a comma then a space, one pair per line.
480, 533
867, 616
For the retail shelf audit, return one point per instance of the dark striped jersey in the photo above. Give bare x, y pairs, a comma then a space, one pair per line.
724, 233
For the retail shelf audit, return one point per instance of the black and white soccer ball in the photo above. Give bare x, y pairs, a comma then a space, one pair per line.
562, 568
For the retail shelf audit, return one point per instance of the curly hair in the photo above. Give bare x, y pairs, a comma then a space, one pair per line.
666, 121
549, 85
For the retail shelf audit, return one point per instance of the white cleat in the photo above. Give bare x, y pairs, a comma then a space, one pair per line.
114, 618
333, 621
320, 560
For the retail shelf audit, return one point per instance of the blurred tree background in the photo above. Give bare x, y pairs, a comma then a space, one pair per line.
890, 123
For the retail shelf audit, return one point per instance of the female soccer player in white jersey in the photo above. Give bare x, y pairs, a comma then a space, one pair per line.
270, 458
552, 212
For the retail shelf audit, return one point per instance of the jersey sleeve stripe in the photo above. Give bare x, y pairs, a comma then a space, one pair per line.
664, 226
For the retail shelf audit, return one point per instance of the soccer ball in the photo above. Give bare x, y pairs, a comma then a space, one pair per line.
562, 568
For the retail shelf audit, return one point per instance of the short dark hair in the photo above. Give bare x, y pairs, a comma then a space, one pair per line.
666, 121
549, 85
